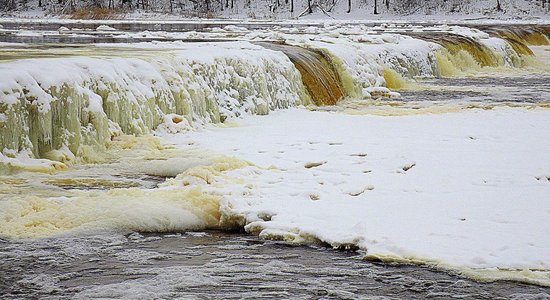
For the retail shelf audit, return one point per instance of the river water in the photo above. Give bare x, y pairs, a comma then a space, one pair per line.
206, 265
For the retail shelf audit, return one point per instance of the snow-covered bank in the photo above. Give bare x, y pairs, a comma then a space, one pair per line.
464, 191
467, 191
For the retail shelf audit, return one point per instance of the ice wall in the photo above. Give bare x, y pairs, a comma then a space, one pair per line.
53, 107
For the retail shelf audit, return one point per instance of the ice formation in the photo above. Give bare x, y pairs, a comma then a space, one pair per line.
52, 107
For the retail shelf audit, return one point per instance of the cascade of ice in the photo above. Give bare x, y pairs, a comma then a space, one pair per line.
375, 62
54, 107
360, 60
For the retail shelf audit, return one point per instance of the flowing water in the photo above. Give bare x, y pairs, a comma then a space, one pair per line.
528, 89
121, 259
207, 265
318, 74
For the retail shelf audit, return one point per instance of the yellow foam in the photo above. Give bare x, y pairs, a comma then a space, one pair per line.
393, 79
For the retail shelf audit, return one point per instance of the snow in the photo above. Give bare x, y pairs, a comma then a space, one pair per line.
456, 190
24, 160
105, 28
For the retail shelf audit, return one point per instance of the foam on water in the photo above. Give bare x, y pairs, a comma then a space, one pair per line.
182, 203
107, 197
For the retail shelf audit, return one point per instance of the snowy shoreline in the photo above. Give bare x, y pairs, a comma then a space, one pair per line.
463, 191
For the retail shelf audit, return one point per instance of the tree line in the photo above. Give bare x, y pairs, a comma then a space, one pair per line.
213, 7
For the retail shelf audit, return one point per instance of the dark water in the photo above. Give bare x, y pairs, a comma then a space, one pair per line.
219, 265
499, 88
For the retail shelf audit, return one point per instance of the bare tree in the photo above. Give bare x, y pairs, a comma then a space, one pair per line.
8, 5
499, 8
375, 7
122, 2
349, 6
144, 4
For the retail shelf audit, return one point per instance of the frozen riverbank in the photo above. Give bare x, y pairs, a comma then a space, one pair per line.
467, 190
